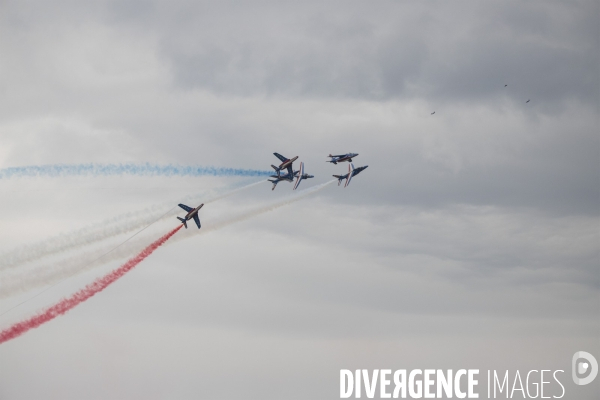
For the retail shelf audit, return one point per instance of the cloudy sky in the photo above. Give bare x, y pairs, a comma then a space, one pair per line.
471, 241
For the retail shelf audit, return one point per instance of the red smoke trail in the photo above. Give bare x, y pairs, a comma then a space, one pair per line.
97, 286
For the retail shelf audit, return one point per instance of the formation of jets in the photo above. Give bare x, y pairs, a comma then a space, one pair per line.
287, 164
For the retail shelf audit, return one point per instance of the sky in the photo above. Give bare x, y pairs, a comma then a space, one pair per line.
471, 241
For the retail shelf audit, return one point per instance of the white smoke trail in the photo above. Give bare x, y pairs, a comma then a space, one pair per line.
50, 274
104, 230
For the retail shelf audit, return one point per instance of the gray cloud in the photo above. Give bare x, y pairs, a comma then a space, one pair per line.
374, 53
471, 239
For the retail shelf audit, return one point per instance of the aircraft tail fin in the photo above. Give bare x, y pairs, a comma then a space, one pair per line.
184, 222
339, 178
276, 169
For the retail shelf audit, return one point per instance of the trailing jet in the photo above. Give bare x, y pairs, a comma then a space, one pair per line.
191, 213
342, 158
301, 176
286, 163
433, 113
278, 178
527, 101
351, 172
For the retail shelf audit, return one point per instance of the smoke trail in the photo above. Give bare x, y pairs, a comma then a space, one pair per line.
260, 210
147, 169
50, 274
79, 297
106, 229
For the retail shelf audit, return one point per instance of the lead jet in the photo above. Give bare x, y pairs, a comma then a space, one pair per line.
286, 163
341, 158
301, 176
278, 178
351, 172
191, 213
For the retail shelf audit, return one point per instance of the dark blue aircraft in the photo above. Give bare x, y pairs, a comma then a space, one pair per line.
341, 157
289, 177
286, 163
191, 213
351, 172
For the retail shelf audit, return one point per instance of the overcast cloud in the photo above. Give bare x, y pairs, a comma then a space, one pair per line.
471, 241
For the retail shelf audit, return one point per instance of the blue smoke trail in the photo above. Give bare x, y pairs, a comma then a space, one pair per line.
147, 169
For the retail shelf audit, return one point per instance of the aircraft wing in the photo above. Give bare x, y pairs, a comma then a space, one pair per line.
299, 178
186, 208
290, 170
339, 155
282, 158
197, 220
350, 173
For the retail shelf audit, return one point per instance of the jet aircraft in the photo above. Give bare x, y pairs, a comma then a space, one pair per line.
433, 113
527, 101
286, 163
341, 158
301, 176
191, 213
351, 172
278, 178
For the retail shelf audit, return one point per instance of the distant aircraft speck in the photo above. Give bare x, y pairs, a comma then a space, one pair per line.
527, 101
433, 113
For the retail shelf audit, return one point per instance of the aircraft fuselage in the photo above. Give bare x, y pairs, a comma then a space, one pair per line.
287, 163
345, 157
191, 214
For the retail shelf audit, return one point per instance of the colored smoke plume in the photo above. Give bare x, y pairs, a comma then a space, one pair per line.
112, 227
147, 169
95, 287
49, 274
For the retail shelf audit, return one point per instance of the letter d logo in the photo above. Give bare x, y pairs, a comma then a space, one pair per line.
581, 367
